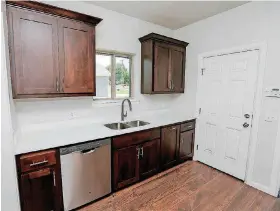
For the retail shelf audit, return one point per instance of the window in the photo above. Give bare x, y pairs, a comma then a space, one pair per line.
113, 75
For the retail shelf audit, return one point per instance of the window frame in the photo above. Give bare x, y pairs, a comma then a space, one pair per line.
113, 55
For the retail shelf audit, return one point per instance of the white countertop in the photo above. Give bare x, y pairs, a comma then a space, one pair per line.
75, 131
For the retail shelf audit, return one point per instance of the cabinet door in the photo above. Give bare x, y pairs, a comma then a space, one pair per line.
76, 57
186, 145
162, 68
149, 158
39, 190
178, 69
126, 167
34, 52
169, 145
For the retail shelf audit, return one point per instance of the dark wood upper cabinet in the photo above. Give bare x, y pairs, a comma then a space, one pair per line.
149, 158
35, 52
76, 57
170, 136
186, 145
50, 56
162, 64
161, 67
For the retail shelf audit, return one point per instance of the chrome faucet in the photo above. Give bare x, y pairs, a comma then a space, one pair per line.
123, 115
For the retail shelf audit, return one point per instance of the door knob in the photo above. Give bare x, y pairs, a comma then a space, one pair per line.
245, 125
247, 116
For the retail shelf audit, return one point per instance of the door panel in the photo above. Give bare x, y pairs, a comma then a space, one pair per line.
162, 68
126, 167
38, 190
178, 70
35, 62
226, 94
186, 145
76, 56
169, 145
149, 161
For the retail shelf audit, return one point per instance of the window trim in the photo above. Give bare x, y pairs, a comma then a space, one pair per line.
113, 55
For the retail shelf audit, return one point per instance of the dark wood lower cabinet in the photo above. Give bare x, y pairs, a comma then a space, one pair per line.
169, 145
186, 145
40, 181
149, 158
39, 190
126, 167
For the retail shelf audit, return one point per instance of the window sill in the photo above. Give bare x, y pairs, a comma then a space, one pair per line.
99, 102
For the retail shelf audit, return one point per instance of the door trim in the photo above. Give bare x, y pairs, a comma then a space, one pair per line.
258, 100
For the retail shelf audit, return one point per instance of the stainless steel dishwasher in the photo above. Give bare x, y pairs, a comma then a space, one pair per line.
86, 172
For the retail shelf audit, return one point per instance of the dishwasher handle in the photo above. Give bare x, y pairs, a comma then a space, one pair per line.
89, 151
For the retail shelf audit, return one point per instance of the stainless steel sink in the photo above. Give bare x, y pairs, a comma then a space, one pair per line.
125, 125
117, 126
137, 123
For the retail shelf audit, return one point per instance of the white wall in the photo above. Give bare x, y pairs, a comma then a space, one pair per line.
9, 190
244, 25
116, 32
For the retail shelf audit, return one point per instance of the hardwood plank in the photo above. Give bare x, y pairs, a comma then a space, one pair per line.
243, 199
262, 202
219, 188
276, 205
191, 186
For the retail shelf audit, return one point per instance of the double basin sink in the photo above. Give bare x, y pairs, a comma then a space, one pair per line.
125, 125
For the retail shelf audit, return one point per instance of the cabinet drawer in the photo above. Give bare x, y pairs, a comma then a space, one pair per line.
135, 138
33, 161
187, 126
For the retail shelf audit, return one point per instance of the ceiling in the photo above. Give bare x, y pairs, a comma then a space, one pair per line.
170, 14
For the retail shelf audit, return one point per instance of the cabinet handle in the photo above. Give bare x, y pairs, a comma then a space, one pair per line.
172, 84
182, 140
138, 153
38, 163
54, 180
57, 85
142, 152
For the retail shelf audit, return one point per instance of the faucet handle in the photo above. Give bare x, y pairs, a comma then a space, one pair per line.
125, 114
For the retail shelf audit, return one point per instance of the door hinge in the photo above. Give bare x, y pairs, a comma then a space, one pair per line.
202, 71
197, 147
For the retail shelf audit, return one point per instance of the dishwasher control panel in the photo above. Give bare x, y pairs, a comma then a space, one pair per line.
84, 146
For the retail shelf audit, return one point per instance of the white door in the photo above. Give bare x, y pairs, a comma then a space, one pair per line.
226, 98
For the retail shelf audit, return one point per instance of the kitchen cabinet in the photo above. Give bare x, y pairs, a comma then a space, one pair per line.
34, 54
162, 64
50, 56
76, 57
149, 158
40, 181
135, 157
126, 166
186, 146
170, 136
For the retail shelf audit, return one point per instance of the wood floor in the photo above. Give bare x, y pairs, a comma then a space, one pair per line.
189, 186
